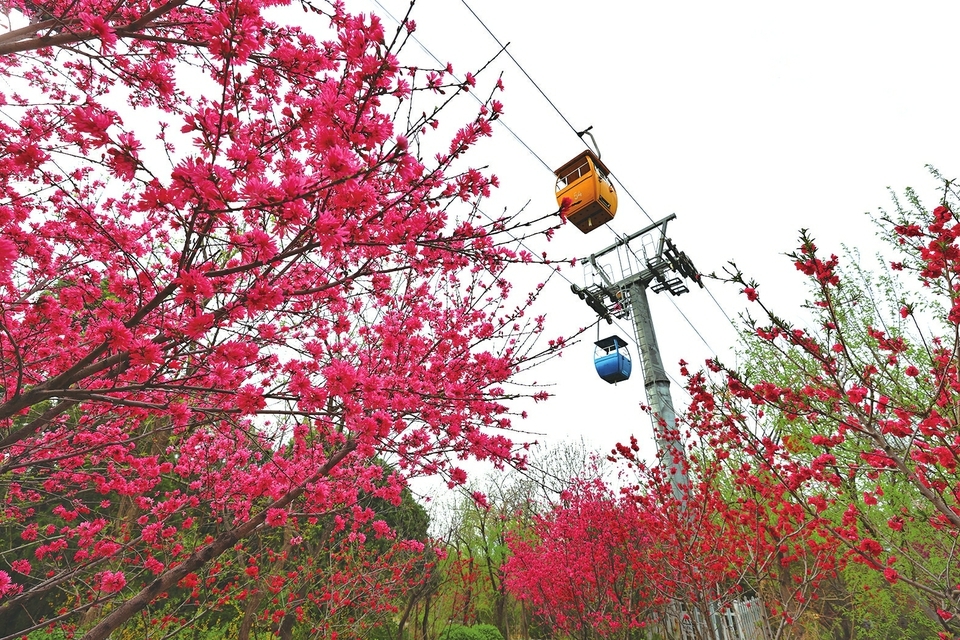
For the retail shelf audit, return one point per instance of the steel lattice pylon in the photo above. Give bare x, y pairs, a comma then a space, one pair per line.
659, 266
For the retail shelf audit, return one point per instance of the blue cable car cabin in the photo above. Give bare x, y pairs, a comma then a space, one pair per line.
612, 359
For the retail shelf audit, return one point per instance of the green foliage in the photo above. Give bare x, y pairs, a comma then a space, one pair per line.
45, 634
487, 632
195, 629
880, 610
408, 520
475, 632
383, 631
460, 632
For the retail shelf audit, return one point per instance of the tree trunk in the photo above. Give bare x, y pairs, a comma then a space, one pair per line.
250, 615
426, 617
406, 614
524, 622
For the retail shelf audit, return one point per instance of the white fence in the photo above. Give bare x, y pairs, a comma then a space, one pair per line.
740, 620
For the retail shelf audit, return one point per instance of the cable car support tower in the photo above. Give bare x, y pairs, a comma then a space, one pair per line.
659, 266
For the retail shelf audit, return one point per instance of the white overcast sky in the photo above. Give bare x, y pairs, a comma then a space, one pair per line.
748, 120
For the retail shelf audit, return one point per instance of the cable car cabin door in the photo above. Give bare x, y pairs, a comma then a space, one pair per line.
593, 200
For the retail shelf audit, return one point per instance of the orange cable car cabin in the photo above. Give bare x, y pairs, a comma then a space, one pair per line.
586, 181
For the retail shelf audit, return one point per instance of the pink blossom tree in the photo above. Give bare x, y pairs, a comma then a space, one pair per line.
608, 562
233, 282
823, 472
855, 412
579, 566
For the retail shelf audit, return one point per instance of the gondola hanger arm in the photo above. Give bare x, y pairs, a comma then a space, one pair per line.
586, 132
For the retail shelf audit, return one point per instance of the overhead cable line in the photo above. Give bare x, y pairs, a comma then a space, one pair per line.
505, 49
520, 242
441, 64
554, 269
717, 302
547, 98
522, 70
580, 134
